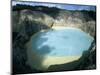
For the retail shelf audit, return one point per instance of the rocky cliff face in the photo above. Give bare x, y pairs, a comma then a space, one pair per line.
76, 19
20, 19
26, 22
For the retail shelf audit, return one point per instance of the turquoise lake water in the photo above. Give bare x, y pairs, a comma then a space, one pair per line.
66, 42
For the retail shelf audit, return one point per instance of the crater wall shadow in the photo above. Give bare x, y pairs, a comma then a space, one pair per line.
36, 55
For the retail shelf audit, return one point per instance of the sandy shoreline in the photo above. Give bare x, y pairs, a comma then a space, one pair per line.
54, 60
64, 27
61, 28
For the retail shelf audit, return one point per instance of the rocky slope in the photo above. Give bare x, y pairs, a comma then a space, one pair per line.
84, 20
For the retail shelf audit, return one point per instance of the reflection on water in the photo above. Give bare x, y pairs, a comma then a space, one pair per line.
68, 42
58, 47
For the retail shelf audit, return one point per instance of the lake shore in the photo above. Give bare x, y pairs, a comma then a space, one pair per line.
64, 27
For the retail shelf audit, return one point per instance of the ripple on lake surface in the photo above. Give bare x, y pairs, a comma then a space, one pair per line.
67, 42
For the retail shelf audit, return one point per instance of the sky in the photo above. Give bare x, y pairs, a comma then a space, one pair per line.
61, 6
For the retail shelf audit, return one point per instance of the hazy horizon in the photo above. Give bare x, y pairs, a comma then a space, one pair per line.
61, 6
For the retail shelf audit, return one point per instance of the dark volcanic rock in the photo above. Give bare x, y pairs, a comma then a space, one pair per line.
33, 17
